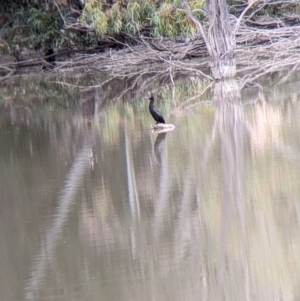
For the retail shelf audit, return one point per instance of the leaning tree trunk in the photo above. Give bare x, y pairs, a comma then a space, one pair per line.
220, 40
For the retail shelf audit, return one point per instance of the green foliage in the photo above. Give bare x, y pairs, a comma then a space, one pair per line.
35, 29
41, 24
105, 19
165, 20
137, 15
46, 28
168, 19
114, 20
95, 17
171, 20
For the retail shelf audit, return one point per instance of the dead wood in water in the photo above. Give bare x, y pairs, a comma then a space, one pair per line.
258, 50
162, 128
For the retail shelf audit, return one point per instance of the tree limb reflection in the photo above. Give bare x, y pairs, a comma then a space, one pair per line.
232, 129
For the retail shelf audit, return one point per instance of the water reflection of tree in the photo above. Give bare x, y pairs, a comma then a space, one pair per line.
160, 180
191, 230
231, 129
170, 234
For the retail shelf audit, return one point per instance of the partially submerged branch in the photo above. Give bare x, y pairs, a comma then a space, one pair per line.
258, 50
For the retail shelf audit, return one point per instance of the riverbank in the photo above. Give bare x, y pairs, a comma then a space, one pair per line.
257, 52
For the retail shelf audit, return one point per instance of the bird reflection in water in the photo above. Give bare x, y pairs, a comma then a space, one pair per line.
159, 145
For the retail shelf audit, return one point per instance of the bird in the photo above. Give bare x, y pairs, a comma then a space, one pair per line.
158, 117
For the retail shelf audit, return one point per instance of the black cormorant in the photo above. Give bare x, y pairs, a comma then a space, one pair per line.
154, 112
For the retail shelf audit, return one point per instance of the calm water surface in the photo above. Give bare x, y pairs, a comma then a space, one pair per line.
99, 207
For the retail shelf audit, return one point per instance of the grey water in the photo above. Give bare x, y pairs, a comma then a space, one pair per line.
98, 206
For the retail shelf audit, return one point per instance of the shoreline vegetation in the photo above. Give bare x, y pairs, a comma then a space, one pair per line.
212, 39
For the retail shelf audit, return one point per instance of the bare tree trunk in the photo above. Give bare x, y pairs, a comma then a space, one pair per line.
221, 40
